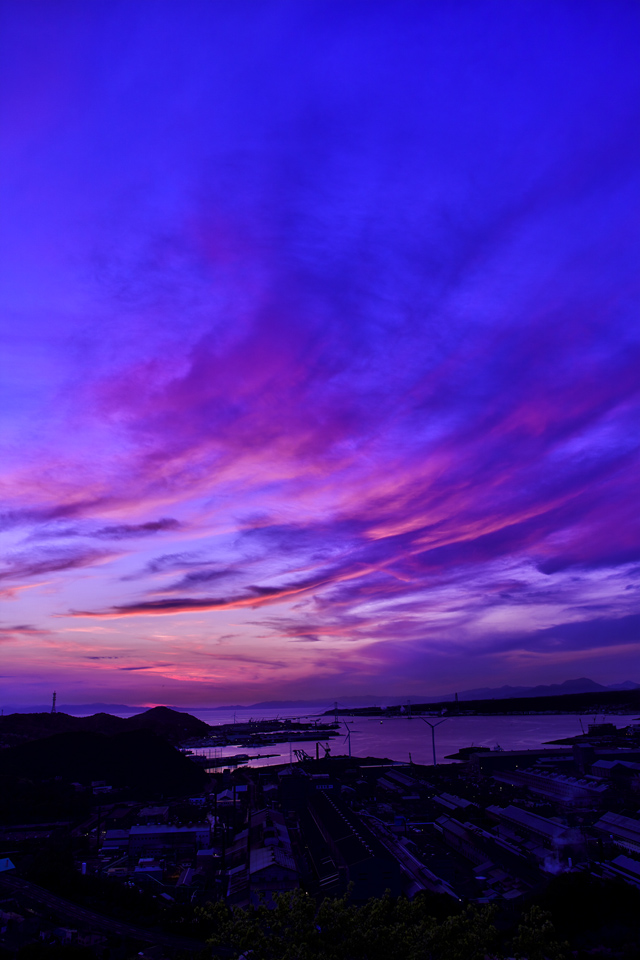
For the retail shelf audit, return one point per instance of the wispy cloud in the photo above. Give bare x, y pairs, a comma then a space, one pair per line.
22, 631
38, 562
359, 346
125, 531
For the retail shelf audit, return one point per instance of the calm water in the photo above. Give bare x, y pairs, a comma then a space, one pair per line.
396, 738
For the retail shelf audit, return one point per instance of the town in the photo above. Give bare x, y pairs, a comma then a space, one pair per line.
130, 860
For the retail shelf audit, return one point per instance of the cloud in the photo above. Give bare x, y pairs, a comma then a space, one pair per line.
381, 361
199, 578
582, 635
22, 630
60, 530
150, 666
126, 531
35, 563
174, 561
46, 514
258, 596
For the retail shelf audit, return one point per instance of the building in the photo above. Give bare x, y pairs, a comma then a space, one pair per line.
602, 730
460, 838
452, 802
145, 841
403, 779
623, 831
360, 857
623, 868
620, 771
556, 786
489, 762
115, 840
261, 860
530, 825
148, 869
154, 814
506, 869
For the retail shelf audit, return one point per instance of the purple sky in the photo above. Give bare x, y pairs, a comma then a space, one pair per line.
320, 364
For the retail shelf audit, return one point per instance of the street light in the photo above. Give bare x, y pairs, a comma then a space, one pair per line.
433, 736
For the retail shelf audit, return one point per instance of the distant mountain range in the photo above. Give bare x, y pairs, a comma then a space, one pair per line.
360, 701
581, 685
72, 708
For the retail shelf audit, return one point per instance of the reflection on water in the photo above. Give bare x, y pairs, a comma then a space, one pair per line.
399, 738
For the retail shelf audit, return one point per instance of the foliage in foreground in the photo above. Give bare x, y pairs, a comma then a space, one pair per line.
297, 929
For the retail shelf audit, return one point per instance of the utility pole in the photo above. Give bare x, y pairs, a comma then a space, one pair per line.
98, 825
249, 854
433, 736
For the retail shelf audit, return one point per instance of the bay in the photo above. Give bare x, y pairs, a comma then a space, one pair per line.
402, 739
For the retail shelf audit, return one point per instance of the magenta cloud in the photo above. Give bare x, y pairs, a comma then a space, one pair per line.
321, 347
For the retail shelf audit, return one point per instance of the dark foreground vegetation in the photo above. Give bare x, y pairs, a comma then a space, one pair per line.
576, 918
377, 930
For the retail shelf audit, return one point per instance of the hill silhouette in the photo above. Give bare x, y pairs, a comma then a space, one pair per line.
172, 725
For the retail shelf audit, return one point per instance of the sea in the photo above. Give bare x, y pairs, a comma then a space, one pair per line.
410, 740
401, 739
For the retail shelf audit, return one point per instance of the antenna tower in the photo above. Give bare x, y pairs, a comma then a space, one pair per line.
53, 702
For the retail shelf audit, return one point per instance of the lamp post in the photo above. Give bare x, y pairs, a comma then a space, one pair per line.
433, 736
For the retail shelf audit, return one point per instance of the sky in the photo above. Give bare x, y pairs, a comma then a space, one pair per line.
320, 349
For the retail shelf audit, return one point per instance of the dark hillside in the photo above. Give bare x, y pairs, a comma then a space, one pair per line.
171, 724
101, 723
26, 801
139, 759
20, 727
174, 726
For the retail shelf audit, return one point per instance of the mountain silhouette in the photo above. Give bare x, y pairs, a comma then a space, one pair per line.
171, 725
581, 685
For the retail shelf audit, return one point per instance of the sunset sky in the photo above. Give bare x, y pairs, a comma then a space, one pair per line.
320, 356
